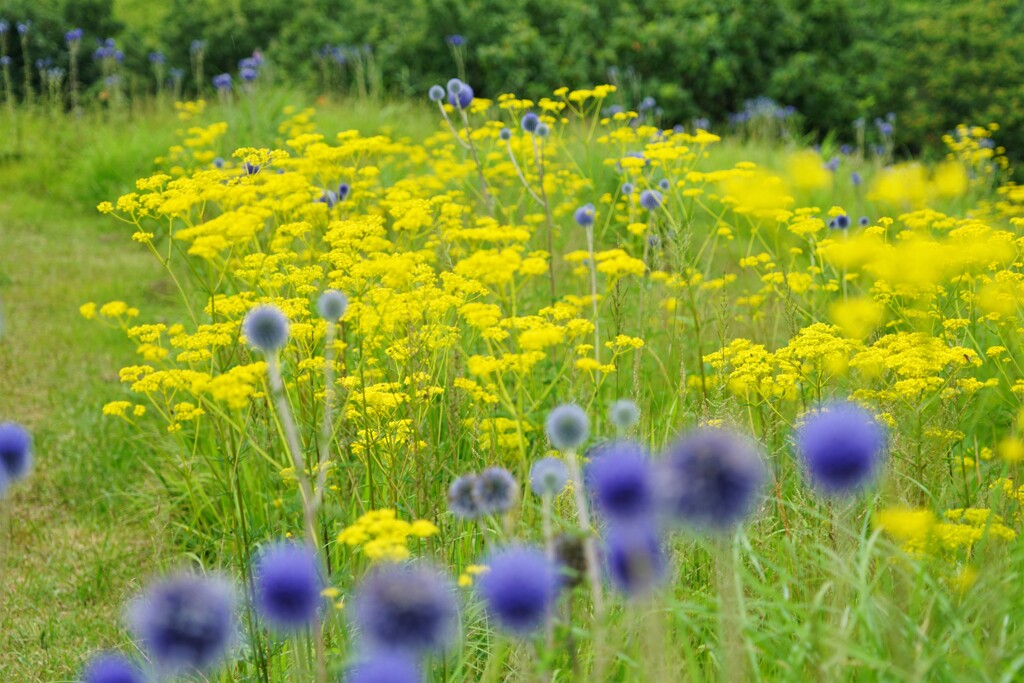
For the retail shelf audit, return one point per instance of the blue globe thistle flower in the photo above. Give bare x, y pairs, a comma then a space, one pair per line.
197, 46
406, 608
650, 200
455, 40
856, 179
864, 221
384, 667
627, 189
505, 134
584, 215
251, 168
634, 559
436, 93
186, 622
548, 476
842, 448
74, 35
620, 479
157, 57
832, 164
567, 427
529, 122
248, 74
111, 668
664, 185
343, 191
845, 150
461, 500
495, 491
5, 60
462, 98
4, 26
15, 451
266, 328
454, 86
842, 222
23, 27
647, 103
711, 479
287, 586
218, 162
332, 305
222, 82
519, 588
329, 198
624, 413
542, 130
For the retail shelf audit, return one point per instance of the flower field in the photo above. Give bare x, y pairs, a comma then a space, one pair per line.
520, 390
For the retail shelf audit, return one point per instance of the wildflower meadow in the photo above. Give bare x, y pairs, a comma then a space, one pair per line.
465, 385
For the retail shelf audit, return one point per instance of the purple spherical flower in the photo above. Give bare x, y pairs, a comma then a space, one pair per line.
222, 82
406, 608
567, 427
343, 191
519, 588
711, 479
620, 479
461, 500
462, 98
627, 189
436, 93
15, 451
584, 215
454, 85
842, 448
505, 134
332, 305
288, 585
842, 222
4, 26
624, 413
864, 221
248, 74
157, 57
856, 179
329, 197
111, 668
548, 476
664, 185
455, 40
634, 558
384, 667
186, 622
74, 35
542, 130
650, 200
23, 27
495, 491
266, 328
529, 122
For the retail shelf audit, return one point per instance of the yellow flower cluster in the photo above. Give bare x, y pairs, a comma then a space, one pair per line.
382, 537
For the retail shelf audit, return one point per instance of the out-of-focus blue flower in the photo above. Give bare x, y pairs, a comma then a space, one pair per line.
73, 36
529, 122
384, 667
407, 608
186, 622
495, 491
461, 500
111, 668
266, 328
842, 447
864, 221
332, 305
23, 27
542, 130
832, 164
455, 40
197, 46
624, 413
157, 58
548, 476
584, 216
436, 93
567, 427
222, 82
15, 451
462, 98
288, 585
650, 200
634, 558
620, 479
711, 479
856, 179
519, 588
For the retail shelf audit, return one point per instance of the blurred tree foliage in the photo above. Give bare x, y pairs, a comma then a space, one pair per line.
933, 62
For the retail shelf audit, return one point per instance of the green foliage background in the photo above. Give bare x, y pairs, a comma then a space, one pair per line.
935, 63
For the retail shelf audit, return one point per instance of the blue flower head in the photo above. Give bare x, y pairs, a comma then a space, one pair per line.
343, 191
624, 413
454, 86
222, 82
111, 668
548, 476
462, 98
529, 122
5, 60
248, 74
436, 93
329, 197
384, 667
505, 134
519, 588
627, 189
650, 200
74, 35
266, 328
584, 215
711, 479
495, 491
832, 164
332, 305
461, 499
23, 27
842, 448
455, 40
567, 427
157, 57
186, 622
542, 130
864, 221
856, 179
620, 479
664, 185
4, 26
287, 586
197, 46
408, 608
15, 451
842, 222
634, 558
